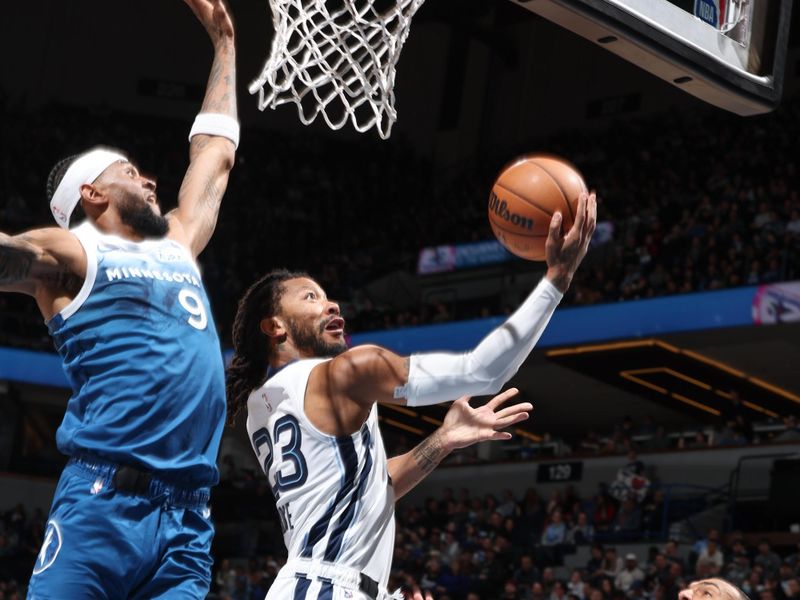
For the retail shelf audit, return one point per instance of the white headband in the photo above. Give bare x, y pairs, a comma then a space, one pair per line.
85, 169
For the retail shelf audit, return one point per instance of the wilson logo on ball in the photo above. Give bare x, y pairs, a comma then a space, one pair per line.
500, 208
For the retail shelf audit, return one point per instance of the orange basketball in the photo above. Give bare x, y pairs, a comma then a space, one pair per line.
524, 197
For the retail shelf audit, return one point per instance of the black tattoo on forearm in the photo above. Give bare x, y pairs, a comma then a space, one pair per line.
428, 454
220, 94
16, 261
210, 203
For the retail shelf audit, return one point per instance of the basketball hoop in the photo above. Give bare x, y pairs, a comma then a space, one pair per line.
336, 59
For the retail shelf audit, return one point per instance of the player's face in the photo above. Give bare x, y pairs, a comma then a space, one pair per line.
133, 196
708, 589
313, 323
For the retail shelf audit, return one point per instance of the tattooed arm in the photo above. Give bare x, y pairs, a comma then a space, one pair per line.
211, 157
462, 427
48, 264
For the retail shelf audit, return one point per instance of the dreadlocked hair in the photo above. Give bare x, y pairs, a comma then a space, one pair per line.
251, 350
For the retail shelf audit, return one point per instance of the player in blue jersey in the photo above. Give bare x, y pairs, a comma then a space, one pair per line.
124, 302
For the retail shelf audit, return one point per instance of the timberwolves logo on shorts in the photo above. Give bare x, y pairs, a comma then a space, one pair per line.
50, 547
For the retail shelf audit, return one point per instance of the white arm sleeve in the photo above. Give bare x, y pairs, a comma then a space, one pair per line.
440, 377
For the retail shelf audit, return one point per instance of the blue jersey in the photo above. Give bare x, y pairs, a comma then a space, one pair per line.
142, 355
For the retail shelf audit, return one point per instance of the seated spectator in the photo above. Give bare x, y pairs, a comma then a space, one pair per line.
629, 573
582, 532
559, 591
753, 585
767, 559
659, 569
712, 555
738, 570
537, 592
511, 592
453, 581
629, 517
509, 507
604, 512
555, 532
526, 573
653, 513
575, 585
595, 562
612, 564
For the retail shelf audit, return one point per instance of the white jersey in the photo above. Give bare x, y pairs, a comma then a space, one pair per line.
333, 494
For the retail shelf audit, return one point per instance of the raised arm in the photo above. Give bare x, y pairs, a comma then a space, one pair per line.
462, 427
212, 148
369, 374
48, 264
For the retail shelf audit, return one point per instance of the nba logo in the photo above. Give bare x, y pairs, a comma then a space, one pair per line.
50, 547
710, 11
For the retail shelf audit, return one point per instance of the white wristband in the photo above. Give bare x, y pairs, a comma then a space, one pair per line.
216, 124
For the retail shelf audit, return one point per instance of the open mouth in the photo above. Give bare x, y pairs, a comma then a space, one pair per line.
335, 325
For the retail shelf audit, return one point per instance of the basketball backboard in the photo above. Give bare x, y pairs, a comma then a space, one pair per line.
730, 53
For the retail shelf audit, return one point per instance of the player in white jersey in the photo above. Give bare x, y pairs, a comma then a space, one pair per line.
335, 494
312, 418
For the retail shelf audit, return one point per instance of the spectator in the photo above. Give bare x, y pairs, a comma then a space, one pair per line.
511, 592
629, 518
575, 585
559, 591
672, 554
595, 562
582, 532
712, 555
509, 507
604, 512
630, 573
555, 532
738, 570
653, 513
612, 564
767, 559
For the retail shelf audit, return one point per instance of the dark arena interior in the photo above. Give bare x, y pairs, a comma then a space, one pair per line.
664, 442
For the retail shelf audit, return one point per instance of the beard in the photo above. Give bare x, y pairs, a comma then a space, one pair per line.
309, 338
137, 214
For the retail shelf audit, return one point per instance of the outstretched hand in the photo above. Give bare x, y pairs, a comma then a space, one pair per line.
215, 17
464, 425
565, 252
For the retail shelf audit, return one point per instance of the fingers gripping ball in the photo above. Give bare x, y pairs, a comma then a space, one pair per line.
525, 196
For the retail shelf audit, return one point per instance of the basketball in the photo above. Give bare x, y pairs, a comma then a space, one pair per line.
525, 196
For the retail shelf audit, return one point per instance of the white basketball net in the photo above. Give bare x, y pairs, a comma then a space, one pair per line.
336, 58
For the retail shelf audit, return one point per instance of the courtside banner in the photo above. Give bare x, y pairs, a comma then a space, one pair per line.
447, 258
777, 303
738, 307
452, 257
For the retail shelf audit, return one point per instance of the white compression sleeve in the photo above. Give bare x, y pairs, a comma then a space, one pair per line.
440, 377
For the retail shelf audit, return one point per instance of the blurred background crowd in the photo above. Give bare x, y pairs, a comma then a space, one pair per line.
689, 201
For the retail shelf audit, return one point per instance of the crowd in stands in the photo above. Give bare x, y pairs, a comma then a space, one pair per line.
691, 201
462, 547
21, 535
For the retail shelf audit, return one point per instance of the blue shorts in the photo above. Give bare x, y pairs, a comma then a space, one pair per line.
101, 543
